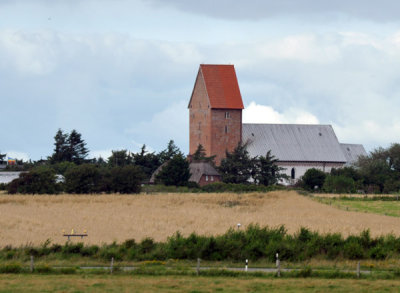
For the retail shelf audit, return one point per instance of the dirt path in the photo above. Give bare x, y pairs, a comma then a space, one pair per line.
107, 218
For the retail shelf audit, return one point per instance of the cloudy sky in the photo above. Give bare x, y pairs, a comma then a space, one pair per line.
121, 72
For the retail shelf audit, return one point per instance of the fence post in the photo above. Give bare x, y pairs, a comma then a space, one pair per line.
358, 269
198, 267
112, 265
246, 266
278, 265
31, 264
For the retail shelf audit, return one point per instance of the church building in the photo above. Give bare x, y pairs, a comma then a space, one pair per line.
215, 116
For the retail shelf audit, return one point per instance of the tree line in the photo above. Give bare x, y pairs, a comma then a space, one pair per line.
68, 169
378, 172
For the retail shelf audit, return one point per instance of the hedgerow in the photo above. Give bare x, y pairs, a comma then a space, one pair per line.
253, 243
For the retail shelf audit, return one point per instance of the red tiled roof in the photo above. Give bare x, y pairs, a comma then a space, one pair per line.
222, 86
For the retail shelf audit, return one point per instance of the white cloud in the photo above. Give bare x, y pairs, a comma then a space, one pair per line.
170, 123
17, 155
255, 113
104, 154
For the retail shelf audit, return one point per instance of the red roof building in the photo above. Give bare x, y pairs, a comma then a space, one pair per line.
215, 111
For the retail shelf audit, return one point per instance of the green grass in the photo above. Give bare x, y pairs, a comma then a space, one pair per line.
366, 205
125, 283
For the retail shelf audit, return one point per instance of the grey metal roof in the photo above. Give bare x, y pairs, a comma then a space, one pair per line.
352, 151
293, 142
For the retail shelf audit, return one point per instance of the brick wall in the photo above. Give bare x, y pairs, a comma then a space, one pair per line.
199, 118
217, 130
226, 131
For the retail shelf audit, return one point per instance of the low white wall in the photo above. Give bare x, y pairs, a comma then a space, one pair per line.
300, 168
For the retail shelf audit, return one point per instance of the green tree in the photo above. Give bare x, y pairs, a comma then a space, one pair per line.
77, 148
267, 172
312, 178
200, 156
339, 184
169, 152
120, 158
147, 161
40, 180
175, 171
237, 167
85, 178
61, 147
376, 169
126, 179
71, 148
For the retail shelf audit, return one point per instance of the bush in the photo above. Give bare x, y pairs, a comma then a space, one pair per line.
40, 180
175, 172
312, 178
126, 179
352, 249
11, 268
339, 184
83, 178
43, 269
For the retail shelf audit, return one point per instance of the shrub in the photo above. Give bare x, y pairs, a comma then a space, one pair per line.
71, 248
126, 179
175, 172
312, 178
43, 269
339, 184
11, 268
40, 180
83, 178
352, 249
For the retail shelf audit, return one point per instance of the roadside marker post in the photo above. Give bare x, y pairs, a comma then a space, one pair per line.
247, 264
32, 267
198, 267
278, 265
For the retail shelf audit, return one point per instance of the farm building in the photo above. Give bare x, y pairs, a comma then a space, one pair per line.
202, 173
215, 121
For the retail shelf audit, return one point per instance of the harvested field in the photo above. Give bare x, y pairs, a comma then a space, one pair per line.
34, 219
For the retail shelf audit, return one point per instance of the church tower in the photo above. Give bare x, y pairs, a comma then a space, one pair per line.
215, 111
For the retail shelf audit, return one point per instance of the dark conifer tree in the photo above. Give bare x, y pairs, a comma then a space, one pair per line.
175, 171
237, 167
200, 156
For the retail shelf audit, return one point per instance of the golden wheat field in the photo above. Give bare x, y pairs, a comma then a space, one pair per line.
28, 219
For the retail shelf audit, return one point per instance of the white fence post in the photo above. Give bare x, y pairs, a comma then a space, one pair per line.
198, 267
278, 265
32, 264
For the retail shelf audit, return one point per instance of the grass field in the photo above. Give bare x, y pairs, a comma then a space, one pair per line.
107, 283
388, 208
107, 218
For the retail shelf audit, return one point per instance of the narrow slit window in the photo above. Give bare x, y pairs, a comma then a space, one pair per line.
293, 173
226, 128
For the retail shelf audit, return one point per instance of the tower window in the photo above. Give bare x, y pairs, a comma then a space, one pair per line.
227, 115
226, 128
